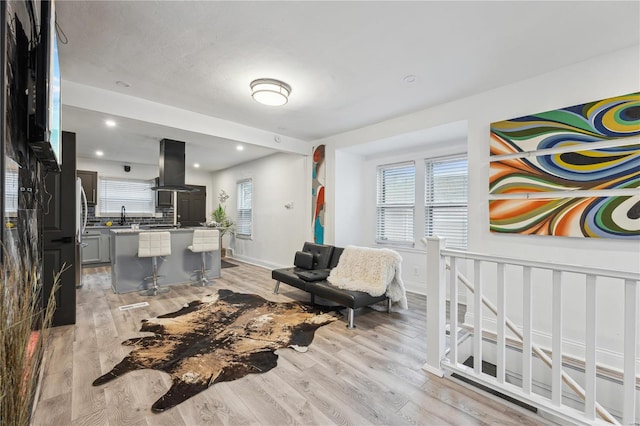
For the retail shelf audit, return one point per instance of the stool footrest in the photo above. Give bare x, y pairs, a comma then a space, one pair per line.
152, 277
153, 291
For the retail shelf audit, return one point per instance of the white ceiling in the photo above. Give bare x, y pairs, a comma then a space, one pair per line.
134, 141
345, 61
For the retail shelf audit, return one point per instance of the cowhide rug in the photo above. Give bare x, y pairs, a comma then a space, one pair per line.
220, 338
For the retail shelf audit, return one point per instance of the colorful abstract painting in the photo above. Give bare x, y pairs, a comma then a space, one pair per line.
600, 217
608, 119
317, 194
584, 170
569, 172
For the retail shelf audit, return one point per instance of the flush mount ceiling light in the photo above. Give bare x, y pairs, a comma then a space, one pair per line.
110, 123
270, 92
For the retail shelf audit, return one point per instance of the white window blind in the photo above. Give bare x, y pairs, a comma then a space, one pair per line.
135, 195
396, 203
446, 200
245, 194
11, 184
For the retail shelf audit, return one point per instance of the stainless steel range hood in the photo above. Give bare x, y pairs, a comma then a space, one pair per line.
172, 167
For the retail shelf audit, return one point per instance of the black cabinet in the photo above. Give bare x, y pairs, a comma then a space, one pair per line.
90, 185
191, 206
163, 198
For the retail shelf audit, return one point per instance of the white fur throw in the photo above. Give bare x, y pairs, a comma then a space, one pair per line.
375, 271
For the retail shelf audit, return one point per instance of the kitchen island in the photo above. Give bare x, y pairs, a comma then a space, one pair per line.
128, 270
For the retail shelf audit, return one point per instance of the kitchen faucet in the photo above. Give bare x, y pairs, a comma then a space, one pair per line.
123, 216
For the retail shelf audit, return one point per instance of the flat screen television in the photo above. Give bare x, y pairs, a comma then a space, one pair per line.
44, 94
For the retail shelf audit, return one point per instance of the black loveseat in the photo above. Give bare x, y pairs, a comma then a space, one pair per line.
311, 268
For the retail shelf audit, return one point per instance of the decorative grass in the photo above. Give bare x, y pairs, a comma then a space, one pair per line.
24, 328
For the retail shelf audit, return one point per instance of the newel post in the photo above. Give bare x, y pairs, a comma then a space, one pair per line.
436, 306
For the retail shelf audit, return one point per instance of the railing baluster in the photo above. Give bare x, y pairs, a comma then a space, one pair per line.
501, 347
590, 349
559, 378
556, 339
435, 306
453, 311
630, 343
477, 318
526, 329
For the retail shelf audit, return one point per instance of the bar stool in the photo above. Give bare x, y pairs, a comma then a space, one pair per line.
154, 244
204, 241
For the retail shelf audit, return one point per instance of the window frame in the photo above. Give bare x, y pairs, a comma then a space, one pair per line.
240, 209
382, 206
130, 211
459, 204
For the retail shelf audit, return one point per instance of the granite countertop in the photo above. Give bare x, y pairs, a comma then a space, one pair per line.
145, 226
128, 230
89, 227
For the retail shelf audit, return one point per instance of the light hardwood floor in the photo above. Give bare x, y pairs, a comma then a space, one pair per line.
370, 375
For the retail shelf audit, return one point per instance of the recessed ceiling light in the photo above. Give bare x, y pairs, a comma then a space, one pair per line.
239, 147
122, 83
99, 153
110, 123
196, 165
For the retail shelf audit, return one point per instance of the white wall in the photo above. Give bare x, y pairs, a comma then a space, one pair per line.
278, 232
349, 199
602, 77
145, 171
598, 78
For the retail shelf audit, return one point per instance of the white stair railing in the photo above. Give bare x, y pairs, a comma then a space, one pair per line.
437, 363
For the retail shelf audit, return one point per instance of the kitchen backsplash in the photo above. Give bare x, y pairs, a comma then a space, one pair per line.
167, 218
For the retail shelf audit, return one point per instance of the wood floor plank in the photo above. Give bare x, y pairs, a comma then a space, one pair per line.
53, 411
97, 418
125, 405
263, 405
370, 375
456, 395
415, 414
340, 412
296, 404
363, 402
86, 399
217, 406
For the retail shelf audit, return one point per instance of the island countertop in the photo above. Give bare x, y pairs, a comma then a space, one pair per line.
128, 270
130, 230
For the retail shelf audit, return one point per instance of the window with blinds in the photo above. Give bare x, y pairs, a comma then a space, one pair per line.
11, 177
396, 203
135, 195
244, 222
446, 200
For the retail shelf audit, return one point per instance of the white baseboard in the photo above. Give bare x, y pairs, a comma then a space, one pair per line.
260, 263
415, 287
433, 370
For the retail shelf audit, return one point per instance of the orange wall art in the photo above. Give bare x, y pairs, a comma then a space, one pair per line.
317, 194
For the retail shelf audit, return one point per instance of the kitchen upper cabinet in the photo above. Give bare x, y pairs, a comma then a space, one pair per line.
90, 185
